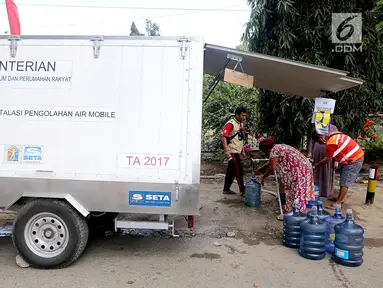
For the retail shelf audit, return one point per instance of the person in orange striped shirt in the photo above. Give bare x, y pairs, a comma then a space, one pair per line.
350, 157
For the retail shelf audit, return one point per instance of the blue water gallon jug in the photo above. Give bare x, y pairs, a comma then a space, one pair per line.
316, 192
313, 238
330, 223
312, 208
291, 227
311, 203
253, 193
349, 242
312, 211
322, 214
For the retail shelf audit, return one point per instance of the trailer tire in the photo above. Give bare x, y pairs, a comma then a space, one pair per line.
54, 223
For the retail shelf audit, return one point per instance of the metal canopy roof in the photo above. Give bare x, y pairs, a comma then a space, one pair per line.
280, 75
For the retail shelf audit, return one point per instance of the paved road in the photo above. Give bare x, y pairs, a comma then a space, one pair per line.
123, 261
255, 255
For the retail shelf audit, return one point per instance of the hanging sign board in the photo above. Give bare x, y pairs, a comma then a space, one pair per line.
324, 104
239, 78
322, 122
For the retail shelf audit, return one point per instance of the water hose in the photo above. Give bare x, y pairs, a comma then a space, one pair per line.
278, 194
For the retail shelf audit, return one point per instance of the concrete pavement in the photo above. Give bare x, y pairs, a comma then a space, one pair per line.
190, 262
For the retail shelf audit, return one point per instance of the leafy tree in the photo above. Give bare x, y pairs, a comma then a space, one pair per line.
134, 30
301, 30
371, 139
243, 46
379, 14
152, 29
220, 107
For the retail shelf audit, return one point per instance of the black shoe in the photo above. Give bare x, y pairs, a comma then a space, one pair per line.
229, 192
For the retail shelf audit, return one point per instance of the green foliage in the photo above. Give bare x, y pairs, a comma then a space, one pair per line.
379, 27
379, 14
220, 107
301, 30
371, 139
286, 118
152, 29
243, 46
372, 145
134, 30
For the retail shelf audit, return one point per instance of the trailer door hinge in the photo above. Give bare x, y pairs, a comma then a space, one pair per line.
13, 45
183, 46
96, 46
177, 189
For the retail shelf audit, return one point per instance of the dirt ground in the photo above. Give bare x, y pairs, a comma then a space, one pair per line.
368, 216
207, 256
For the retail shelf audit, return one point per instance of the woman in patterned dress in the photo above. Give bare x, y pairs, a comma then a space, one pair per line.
294, 171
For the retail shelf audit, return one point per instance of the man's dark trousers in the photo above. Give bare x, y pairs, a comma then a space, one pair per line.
234, 170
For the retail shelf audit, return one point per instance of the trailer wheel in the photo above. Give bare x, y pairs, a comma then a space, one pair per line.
50, 233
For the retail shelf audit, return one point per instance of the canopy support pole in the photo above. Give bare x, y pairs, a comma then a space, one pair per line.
216, 81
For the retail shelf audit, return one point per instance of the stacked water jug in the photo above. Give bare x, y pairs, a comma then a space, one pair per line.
312, 203
318, 232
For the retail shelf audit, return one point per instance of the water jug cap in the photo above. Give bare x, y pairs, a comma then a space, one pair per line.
314, 218
319, 202
349, 214
314, 210
338, 208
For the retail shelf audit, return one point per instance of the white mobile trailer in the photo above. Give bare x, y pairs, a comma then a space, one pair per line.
92, 125
115, 129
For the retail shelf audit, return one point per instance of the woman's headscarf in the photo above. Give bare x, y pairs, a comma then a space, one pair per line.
266, 144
